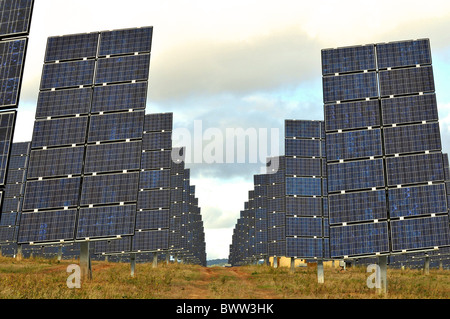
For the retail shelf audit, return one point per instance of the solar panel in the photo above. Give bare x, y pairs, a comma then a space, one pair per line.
113, 246
350, 87
152, 240
47, 226
304, 247
156, 159
122, 69
8, 219
67, 74
60, 132
357, 207
158, 122
21, 148
359, 239
303, 206
14, 189
126, 41
54, 193
414, 169
11, 205
154, 179
303, 226
17, 162
349, 59
116, 126
7, 123
109, 189
420, 233
406, 81
303, 166
71, 47
303, 148
106, 221
113, 157
404, 53
276, 219
64, 162
417, 200
7, 234
120, 97
15, 17
276, 234
157, 141
352, 115
276, 205
354, 144
412, 138
303, 186
12, 60
303, 129
153, 219
276, 248
63, 102
355, 175
154, 199
409, 109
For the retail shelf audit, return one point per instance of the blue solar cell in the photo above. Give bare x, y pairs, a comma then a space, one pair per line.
303, 166
359, 239
11, 205
63, 102
355, 175
156, 160
154, 179
110, 189
47, 226
113, 246
276, 249
106, 221
355, 144
8, 219
116, 126
352, 115
7, 234
22, 148
71, 47
153, 240
417, 200
18, 162
14, 189
419, 233
412, 138
12, 60
123, 69
349, 59
67, 74
405, 53
113, 157
56, 162
154, 199
54, 193
304, 247
157, 141
7, 123
304, 227
303, 129
414, 169
409, 109
59, 132
126, 41
152, 219
276, 205
276, 233
15, 17
277, 190
406, 81
158, 122
304, 148
304, 206
120, 97
303, 186
357, 207
350, 87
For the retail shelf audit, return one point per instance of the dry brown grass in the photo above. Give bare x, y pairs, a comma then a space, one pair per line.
46, 279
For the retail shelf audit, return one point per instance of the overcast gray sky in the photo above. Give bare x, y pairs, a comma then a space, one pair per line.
239, 64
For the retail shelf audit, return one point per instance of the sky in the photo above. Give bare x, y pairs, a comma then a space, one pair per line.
238, 66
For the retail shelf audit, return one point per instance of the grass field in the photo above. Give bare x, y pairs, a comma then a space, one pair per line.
47, 279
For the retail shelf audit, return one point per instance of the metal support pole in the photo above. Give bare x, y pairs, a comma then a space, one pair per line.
167, 259
85, 261
426, 266
320, 275
275, 262
441, 266
19, 254
133, 263
59, 253
155, 260
382, 263
292, 269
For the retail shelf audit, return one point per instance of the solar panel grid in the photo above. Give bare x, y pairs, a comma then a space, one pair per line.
303, 186
157, 141
71, 47
403, 54
153, 240
15, 17
116, 126
304, 247
20, 148
60, 132
153, 219
354, 144
122, 69
12, 60
352, 115
350, 87
409, 109
67, 74
303, 166
125, 41
155, 179
412, 138
7, 123
348, 59
302, 129
154, 199
304, 227
63, 103
406, 81
157, 160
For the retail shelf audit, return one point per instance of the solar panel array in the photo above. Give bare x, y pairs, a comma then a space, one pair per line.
87, 139
385, 170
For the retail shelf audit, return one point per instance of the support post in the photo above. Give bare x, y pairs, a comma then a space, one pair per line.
441, 266
19, 254
155, 260
85, 261
133, 263
167, 259
275, 262
382, 263
59, 253
426, 266
292, 269
320, 275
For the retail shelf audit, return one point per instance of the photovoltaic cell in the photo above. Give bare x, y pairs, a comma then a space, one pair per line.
414, 169
276, 249
303, 206
304, 226
354, 144
106, 221
152, 219
355, 175
352, 115
47, 226
154, 199
113, 246
56, 162
67, 74
276, 233
15, 17
11, 205
303, 186
126, 41
63, 103
359, 239
7, 123
158, 122
276, 219
357, 207
412, 138
417, 200
303, 166
109, 189
8, 219
17, 162
56, 193
116, 126
410, 109
120, 97
157, 141
303, 129
304, 247
113, 157
154, 179
404, 53
420, 233
349, 59
12, 60
304, 148
156, 160
153, 240
71, 47
350, 87
406, 81
21, 148
122, 69
60, 132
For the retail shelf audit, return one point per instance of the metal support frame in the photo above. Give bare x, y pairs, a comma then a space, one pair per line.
133, 263
85, 261
426, 266
292, 269
382, 263
155, 260
59, 253
320, 273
